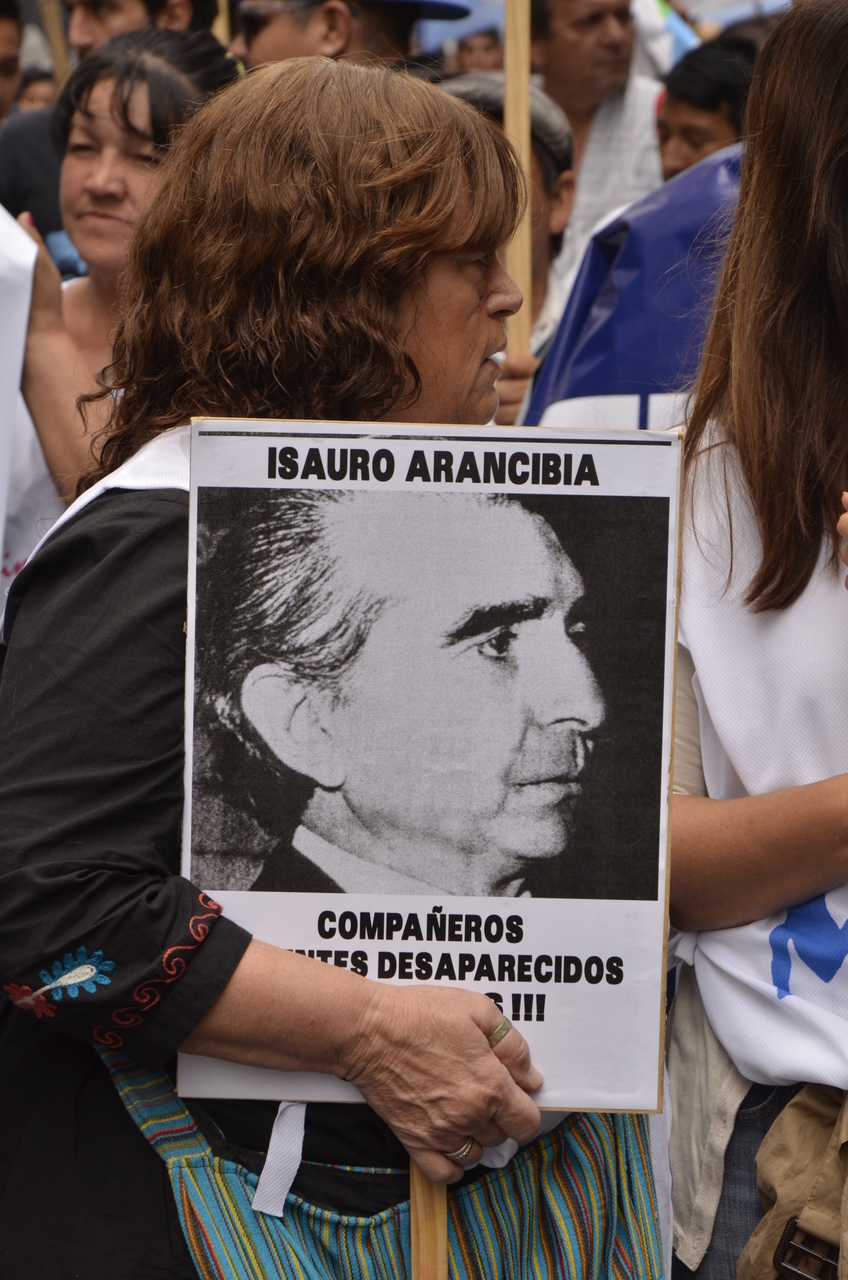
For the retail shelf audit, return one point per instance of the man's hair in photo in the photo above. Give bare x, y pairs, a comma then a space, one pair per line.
180, 70
716, 77
265, 279
272, 591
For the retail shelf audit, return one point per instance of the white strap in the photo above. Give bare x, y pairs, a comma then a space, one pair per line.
283, 1159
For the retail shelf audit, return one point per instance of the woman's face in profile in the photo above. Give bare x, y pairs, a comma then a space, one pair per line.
452, 323
107, 173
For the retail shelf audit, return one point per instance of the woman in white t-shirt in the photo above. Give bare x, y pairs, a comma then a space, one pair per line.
114, 120
760, 846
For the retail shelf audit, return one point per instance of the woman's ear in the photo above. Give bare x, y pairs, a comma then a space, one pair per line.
295, 719
561, 200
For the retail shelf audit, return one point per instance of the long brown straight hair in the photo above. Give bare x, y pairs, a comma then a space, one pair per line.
773, 379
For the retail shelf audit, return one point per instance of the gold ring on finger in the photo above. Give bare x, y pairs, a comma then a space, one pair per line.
500, 1031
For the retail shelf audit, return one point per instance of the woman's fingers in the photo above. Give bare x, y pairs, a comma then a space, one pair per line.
436, 1166
518, 1115
514, 1052
45, 312
26, 221
423, 1061
516, 372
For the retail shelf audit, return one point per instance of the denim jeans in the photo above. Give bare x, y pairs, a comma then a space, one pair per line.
739, 1209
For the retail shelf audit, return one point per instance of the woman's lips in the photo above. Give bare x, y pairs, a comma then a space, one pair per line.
100, 216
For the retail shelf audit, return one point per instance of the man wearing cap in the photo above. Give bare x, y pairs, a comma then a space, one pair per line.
551, 199
274, 30
584, 50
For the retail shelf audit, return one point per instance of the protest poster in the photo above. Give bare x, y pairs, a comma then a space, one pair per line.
429, 724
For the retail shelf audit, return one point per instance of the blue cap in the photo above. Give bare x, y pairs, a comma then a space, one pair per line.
484, 15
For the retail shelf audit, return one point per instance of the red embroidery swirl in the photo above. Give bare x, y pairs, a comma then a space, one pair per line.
147, 993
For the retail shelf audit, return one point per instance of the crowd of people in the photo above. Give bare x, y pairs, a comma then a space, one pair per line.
309, 224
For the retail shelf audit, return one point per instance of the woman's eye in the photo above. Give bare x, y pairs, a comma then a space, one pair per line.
82, 148
498, 645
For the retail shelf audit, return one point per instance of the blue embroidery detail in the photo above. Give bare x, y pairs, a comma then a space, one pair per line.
819, 941
75, 972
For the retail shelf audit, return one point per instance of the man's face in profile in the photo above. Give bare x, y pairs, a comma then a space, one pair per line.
460, 732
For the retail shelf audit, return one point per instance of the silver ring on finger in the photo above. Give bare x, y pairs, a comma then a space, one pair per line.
463, 1153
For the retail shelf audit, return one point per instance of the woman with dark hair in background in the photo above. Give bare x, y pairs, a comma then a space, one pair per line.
325, 245
760, 835
114, 120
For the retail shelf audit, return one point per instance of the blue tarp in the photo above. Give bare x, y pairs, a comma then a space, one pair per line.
638, 313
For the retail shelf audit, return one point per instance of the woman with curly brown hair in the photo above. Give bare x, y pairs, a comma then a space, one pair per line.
325, 244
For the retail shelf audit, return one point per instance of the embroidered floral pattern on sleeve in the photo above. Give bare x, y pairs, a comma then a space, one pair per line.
76, 971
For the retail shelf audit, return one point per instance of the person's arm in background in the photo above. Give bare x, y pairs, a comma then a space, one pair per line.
54, 376
734, 861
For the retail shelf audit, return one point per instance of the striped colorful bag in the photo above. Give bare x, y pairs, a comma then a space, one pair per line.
577, 1204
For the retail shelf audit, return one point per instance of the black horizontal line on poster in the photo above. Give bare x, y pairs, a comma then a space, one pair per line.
364, 435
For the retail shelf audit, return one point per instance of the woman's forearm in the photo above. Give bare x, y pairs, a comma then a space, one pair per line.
420, 1056
287, 1012
50, 386
734, 861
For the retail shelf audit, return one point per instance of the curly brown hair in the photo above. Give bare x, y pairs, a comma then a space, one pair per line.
296, 208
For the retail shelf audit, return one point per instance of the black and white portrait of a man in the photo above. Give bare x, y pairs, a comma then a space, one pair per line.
428, 693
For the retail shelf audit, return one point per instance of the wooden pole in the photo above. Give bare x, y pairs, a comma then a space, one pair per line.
54, 30
428, 1204
517, 127
221, 25
428, 1221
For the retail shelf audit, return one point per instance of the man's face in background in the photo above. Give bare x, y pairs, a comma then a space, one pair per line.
585, 56
461, 729
92, 22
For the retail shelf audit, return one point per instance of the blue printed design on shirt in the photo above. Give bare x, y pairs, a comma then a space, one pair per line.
819, 941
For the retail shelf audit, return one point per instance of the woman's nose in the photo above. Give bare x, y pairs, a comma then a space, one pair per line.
106, 177
505, 297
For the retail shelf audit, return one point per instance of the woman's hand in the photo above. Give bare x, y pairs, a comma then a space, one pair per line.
420, 1056
45, 311
842, 528
516, 372
54, 374
424, 1063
